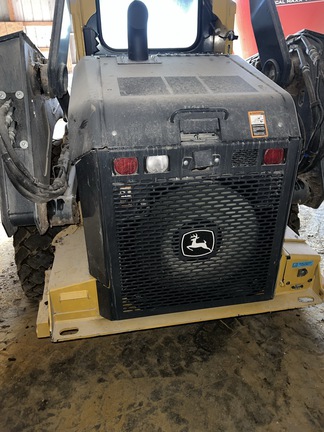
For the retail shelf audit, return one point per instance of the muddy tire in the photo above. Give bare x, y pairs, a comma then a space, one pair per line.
34, 254
294, 221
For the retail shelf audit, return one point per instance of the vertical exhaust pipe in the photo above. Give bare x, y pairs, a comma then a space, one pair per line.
137, 16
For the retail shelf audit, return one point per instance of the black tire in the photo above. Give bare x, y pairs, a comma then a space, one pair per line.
294, 221
34, 254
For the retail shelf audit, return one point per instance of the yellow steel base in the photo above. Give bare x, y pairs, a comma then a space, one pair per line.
69, 309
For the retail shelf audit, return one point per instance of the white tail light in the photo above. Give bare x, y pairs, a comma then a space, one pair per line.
157, 164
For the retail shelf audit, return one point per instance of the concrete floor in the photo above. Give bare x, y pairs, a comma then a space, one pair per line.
259, 373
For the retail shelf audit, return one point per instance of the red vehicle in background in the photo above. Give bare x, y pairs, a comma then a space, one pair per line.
295, 15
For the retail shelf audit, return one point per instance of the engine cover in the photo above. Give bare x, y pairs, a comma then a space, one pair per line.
208, 230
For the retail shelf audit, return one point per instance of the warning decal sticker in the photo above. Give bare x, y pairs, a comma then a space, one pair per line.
258, 124
303, 264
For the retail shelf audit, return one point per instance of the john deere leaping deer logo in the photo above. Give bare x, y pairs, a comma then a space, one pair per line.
195, 244
198, 243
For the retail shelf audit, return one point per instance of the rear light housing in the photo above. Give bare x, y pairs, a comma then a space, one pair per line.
274, 156
126, 165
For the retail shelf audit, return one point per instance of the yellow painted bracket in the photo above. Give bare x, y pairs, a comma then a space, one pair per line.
69, 309
81, 11
225, 11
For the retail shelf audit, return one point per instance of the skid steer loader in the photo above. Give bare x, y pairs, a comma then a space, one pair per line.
169, 194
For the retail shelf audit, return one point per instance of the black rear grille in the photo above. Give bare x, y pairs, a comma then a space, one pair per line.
150, 219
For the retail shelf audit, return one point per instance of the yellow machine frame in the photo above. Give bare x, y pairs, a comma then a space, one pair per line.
69, 309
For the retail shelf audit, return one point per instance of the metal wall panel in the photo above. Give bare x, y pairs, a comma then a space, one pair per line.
4, 12
33, 10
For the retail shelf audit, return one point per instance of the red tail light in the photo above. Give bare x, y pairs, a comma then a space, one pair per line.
126, 166
274, 156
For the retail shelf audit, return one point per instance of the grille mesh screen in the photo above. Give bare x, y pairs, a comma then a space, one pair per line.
245, 158
150, 220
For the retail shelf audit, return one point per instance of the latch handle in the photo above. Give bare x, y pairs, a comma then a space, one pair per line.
199, 110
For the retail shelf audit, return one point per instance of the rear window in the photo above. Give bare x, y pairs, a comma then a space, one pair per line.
171, 23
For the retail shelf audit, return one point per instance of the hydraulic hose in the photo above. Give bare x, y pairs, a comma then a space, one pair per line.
312, 149
21, 178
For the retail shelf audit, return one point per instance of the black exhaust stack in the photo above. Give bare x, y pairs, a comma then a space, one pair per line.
137, 16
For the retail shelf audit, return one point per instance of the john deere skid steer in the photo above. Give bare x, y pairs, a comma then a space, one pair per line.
180, 167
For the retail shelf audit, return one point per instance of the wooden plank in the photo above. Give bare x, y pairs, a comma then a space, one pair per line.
17, 6
11, 10
29, 23
37, 23
3, 29
10, 27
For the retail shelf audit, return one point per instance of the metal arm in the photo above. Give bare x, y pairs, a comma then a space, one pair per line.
273, 51
57, 69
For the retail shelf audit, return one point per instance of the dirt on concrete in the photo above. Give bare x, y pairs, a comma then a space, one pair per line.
257, 373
